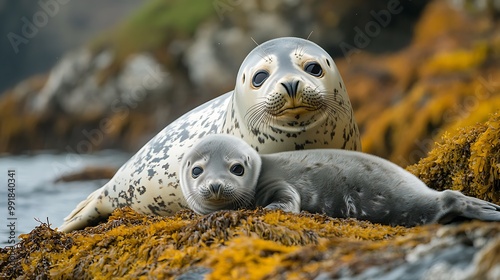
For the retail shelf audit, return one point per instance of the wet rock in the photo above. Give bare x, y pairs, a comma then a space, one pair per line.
74, 87
88, 173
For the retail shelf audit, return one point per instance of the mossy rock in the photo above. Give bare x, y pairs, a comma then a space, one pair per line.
449, 72
258, 244
245, 244
467, 160
241, 243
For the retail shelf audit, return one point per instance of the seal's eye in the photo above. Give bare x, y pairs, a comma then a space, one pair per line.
259, 78
237, 169
314, 69
196, 171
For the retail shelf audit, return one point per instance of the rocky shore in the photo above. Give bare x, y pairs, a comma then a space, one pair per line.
117, 93
257, 244
429, 105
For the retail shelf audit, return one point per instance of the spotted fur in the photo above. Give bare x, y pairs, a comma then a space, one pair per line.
313, 113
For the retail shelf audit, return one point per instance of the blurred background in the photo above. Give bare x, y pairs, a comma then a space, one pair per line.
86, 83
68, 26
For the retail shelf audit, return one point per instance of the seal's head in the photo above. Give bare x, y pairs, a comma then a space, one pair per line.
290, 84
219, 172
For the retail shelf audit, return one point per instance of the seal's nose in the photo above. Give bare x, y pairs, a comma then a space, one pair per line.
215, 188
291, 87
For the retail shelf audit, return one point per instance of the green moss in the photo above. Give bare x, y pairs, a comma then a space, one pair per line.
180, 15
151, 29
155, 25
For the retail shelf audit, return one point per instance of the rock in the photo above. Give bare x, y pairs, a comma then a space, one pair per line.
73, 110
17, 123
196, 54
442, 86
88, 173
258, 244
75, 89
446, 78
255, 244
467, 160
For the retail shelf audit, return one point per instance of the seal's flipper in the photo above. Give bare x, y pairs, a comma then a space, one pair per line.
462, 207
86, 213
279, 195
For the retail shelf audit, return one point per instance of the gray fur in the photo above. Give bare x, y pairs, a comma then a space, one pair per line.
216, 160
338, 183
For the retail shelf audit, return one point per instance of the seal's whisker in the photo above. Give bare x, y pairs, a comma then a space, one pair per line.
268, 119
256, 115
254, 108
267, 58
243, 199
254, 41
334, 110
308, 36
333, 102
200, 154
238, 201
299, 50
339, 104
192, 198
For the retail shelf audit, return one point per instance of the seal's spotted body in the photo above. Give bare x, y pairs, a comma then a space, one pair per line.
288, 96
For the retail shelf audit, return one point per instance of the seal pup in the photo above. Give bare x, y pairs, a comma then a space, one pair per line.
224, 172
289, 95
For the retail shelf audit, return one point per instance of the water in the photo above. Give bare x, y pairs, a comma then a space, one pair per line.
36, 194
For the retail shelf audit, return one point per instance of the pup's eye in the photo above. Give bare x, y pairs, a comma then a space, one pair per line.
237, 169
259, 78
314, 69
196, 171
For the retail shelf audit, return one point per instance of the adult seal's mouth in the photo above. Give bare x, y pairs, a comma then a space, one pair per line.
295, 111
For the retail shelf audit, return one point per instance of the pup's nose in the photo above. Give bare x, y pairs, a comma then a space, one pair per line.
215, 188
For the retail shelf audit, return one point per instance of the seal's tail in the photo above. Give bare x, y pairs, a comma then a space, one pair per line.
465, 207
84, 214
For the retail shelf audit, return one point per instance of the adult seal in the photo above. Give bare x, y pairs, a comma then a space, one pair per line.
289, 95
224, 172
